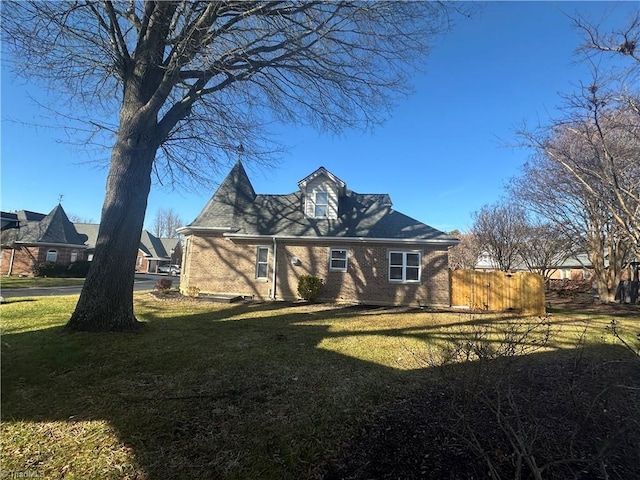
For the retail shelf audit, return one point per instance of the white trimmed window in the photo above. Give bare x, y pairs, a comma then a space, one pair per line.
321, 207
74, 256
52, 256
405, 267
262, 262
338, 259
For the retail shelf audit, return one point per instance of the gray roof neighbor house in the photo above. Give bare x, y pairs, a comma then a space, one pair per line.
37, 228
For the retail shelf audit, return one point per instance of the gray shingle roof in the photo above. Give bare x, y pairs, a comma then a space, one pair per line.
54, 228
151, 245
90, 230
234, 195
236, 206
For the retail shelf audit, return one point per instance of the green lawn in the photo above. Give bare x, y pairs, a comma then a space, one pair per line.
240, 391
27, 282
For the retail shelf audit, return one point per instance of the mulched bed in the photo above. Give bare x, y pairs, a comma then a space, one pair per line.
582, 413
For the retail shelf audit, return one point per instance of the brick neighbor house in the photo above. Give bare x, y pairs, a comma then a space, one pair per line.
256, 245
29, 237
153, 252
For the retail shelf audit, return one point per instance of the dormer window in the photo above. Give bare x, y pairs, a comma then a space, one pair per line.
321, 205
322, 191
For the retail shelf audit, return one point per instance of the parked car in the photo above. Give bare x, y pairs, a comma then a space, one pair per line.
172, 269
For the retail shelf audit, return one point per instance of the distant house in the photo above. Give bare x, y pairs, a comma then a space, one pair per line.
153, 252
576, 267
28, 238
258, 245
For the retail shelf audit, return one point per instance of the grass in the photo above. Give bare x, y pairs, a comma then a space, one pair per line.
260, 391
28, 282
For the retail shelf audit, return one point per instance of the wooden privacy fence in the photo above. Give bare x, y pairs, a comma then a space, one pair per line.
498, 291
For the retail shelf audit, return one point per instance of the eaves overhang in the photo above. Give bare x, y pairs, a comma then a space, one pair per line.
411, 241
45, 244
195, 229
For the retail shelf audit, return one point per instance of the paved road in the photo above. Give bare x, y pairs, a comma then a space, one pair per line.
143, 282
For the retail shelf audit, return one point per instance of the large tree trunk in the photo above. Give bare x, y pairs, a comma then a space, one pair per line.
106, 301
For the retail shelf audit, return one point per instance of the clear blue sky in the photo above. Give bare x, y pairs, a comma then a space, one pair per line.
441, 155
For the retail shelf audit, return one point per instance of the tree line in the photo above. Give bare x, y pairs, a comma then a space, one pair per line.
579, 192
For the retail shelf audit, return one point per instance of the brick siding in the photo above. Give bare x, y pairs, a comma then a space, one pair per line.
219, 265
25, 257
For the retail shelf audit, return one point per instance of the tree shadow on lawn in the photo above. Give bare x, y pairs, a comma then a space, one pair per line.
245, 391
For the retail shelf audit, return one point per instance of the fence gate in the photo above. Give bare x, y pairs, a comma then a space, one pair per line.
498, 291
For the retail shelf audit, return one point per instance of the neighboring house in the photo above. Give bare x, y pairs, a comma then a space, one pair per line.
153, 252
257, 245
29, 237
486, 262
577, 267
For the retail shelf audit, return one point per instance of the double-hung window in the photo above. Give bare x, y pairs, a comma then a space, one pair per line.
262, 262
404, 267
52, 255
321, 208
338, 258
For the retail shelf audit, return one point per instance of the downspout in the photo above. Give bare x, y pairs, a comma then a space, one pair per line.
275, 264
13, 254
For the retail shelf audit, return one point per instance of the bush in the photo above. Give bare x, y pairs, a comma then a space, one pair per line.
569, 287
78, 269
309, 287
163, 284
48, 269
193, 292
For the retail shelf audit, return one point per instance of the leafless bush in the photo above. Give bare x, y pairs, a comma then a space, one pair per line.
530, 419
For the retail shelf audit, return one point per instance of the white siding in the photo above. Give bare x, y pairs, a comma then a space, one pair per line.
321, 184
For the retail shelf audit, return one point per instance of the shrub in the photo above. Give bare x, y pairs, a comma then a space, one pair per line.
48, 269
163, 284
78, 269
309, 287
193, 291
569, 288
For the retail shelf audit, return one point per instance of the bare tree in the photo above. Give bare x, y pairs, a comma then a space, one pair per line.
192, 80
545, 247
465, 255
584, 176
551, 192
500, 231
596, 138
166, 223
75, 218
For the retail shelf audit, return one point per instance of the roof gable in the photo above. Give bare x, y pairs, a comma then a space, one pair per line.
54, 228
234, 195
57, 228
340, 185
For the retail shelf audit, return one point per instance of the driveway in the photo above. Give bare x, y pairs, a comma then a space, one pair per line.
144, 281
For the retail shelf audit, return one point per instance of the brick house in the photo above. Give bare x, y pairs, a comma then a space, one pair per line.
255, 245
29, 237
153, 251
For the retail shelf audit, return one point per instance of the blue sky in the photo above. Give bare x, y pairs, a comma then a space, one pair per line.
441, 155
